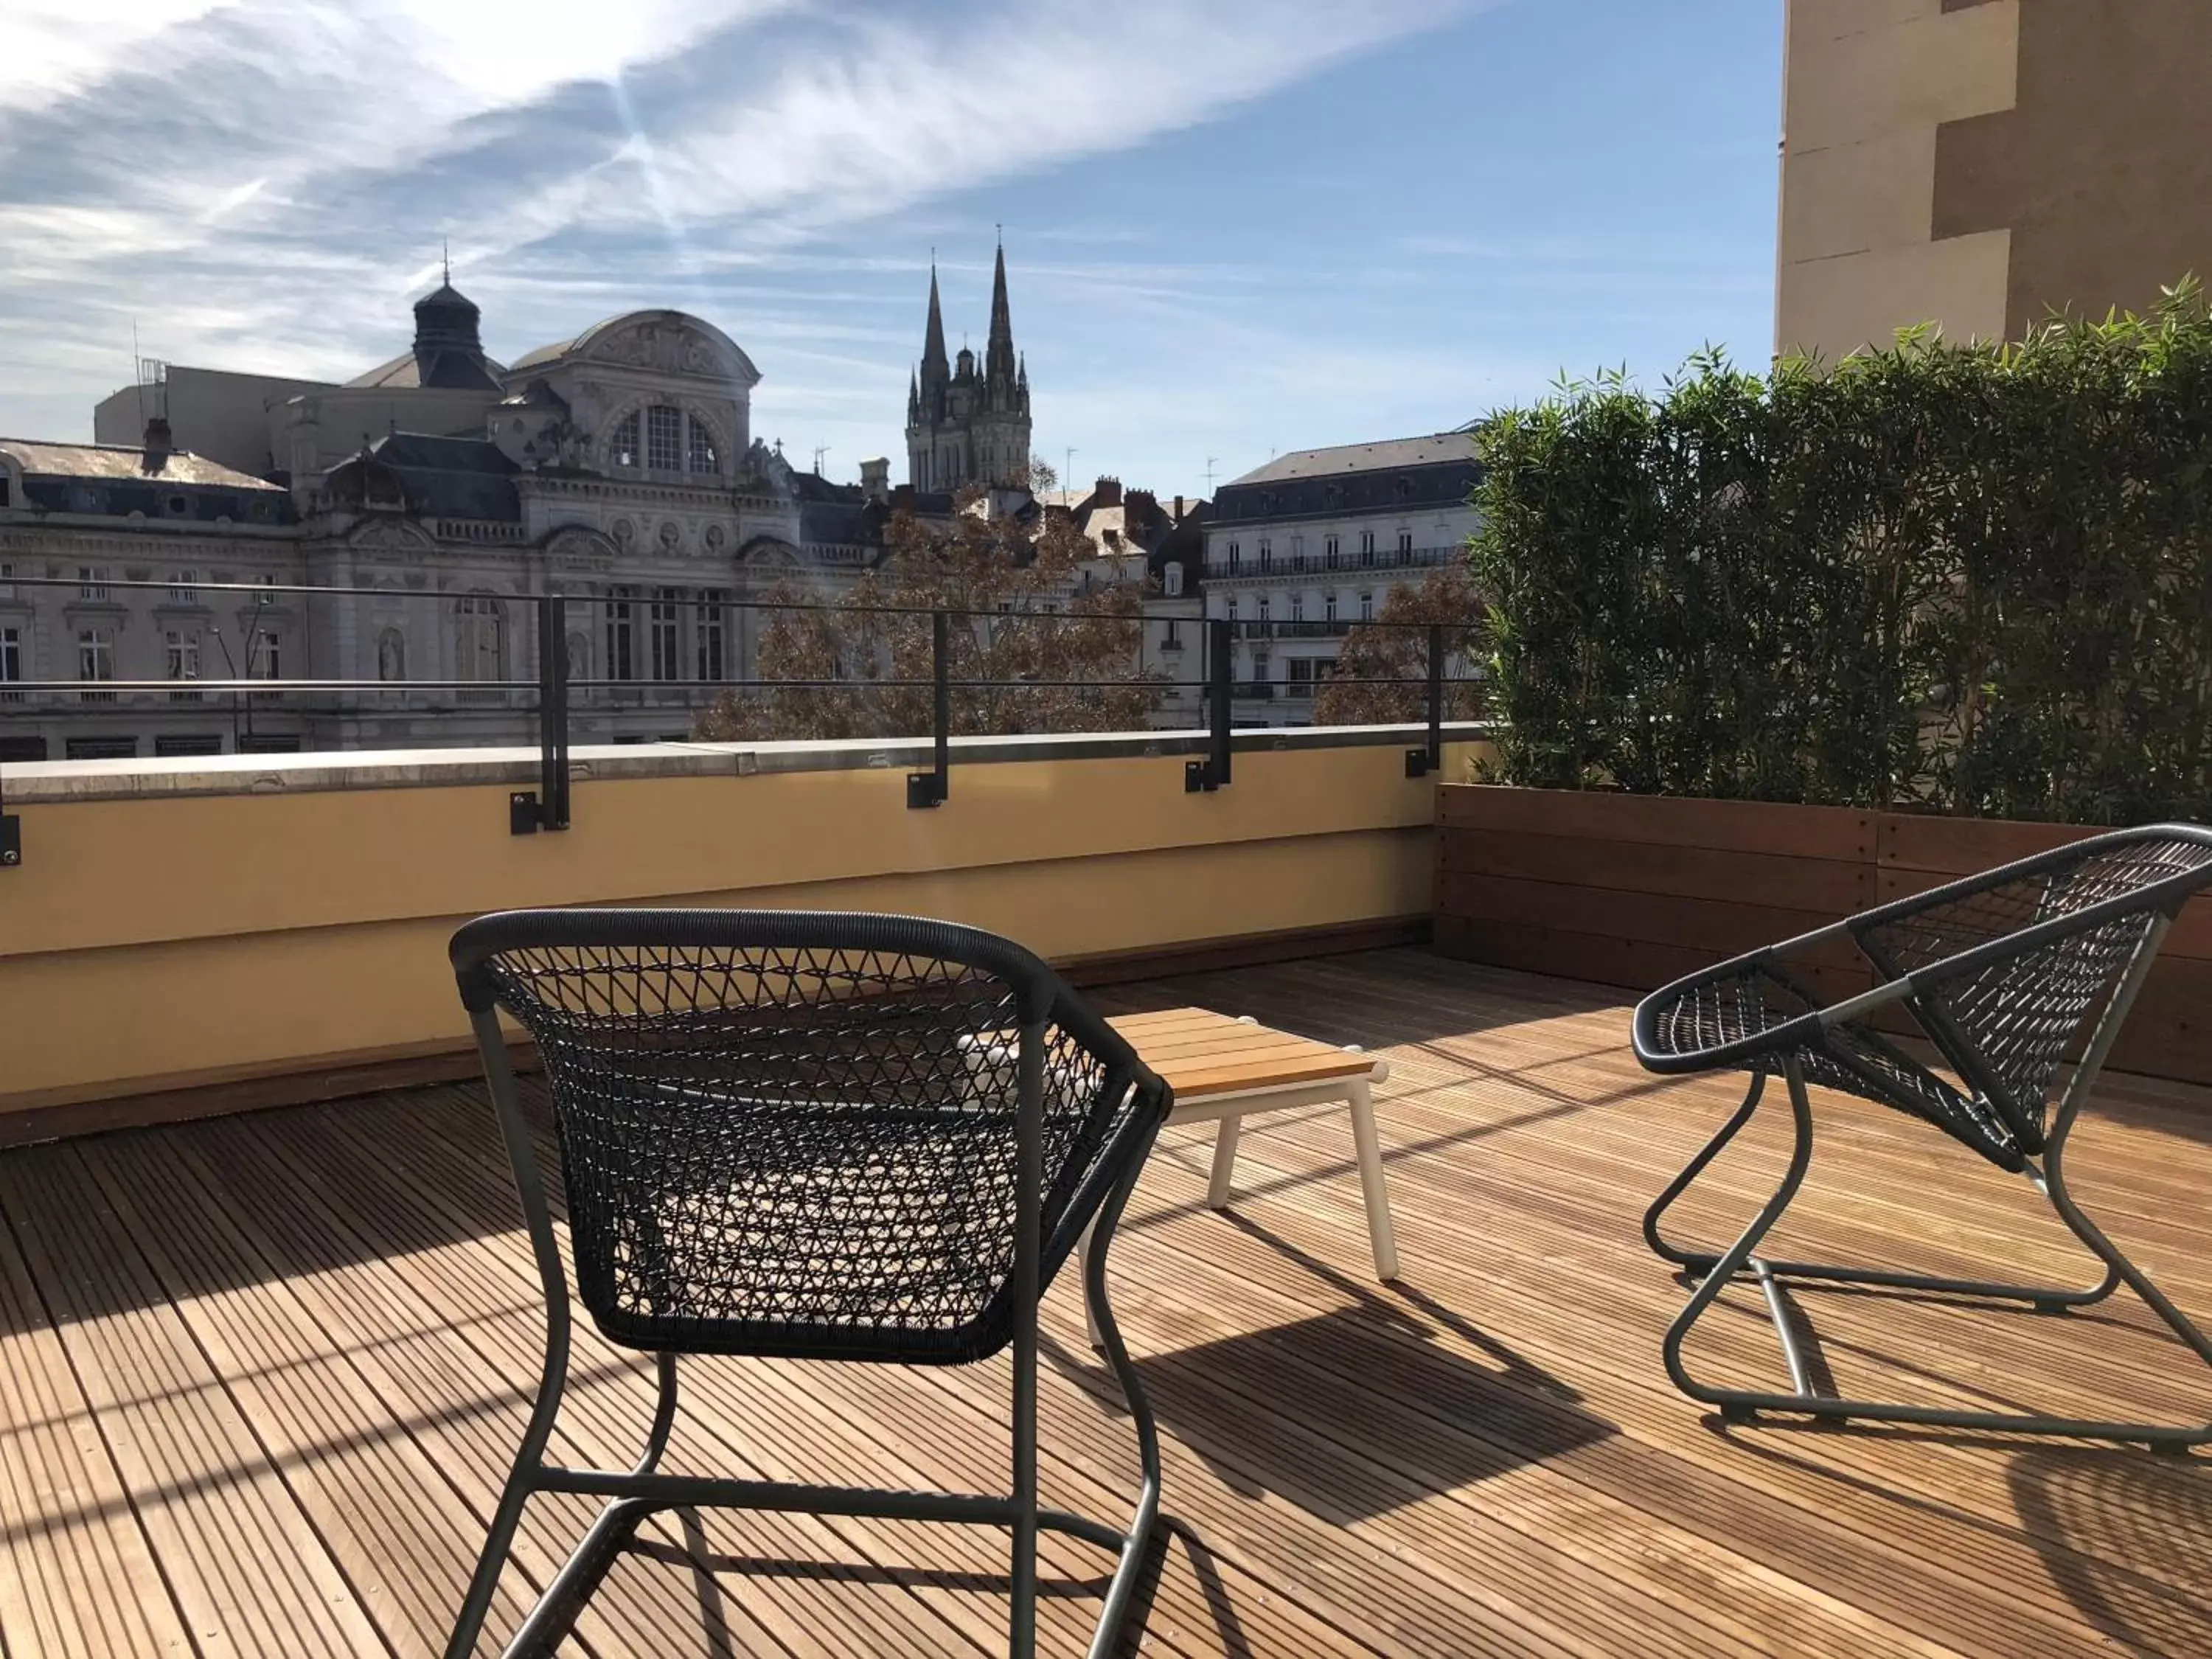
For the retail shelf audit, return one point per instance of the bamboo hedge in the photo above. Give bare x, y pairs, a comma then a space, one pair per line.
1967, 580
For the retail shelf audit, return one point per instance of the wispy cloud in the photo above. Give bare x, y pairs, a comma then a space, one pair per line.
264, 183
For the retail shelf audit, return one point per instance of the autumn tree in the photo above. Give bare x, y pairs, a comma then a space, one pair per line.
1037, 641
1396, 648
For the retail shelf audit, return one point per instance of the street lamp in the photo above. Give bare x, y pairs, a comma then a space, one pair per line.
253, 641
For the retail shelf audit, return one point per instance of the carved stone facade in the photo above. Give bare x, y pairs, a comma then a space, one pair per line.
616, 470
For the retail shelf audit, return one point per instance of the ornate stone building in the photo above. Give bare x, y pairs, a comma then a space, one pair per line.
617, 468
964, 425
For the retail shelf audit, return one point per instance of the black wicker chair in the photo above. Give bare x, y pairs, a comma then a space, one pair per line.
816, 1136
2001, 973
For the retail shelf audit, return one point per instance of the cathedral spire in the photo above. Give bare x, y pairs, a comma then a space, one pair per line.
932, 343
973, 428
999, 352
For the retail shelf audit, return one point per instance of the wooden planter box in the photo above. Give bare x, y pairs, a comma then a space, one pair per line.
1636, 890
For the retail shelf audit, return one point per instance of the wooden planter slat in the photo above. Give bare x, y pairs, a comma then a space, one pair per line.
1636, 890
1828, 886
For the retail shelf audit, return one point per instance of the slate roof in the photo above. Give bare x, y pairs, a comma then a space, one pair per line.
1392, 454
449, 367
451, 477
1397, 476
125, 461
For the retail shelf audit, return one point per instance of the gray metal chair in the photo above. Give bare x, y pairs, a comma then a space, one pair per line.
2001, 973
812, 1136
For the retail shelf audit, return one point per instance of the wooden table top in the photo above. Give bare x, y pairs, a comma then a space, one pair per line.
1201, 1053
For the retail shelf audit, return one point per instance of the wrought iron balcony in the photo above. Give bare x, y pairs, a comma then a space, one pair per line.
1333, 628
1321, 564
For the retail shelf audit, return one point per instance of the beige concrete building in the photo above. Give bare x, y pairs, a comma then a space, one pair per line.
1979, 163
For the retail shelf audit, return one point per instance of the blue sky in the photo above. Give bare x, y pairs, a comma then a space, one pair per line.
1233, 228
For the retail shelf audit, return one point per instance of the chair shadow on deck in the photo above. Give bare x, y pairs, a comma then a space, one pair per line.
2087, 1508
713, 1571
1357, 1412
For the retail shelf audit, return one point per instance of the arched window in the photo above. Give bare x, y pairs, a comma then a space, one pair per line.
621, 448
391, 655
479, 638
1172, 580
664, 439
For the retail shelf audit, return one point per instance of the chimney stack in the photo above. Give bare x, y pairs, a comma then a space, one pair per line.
1107, 494
159, 444
876, 479
1178, 512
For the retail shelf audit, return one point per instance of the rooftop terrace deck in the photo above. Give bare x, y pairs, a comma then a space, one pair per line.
260, 1378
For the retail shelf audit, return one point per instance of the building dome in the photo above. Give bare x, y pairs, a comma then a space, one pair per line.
448, 346
447, 317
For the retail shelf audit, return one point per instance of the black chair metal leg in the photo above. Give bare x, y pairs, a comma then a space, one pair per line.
1107, 1337
2048, 1298
1772, 1277
555, 1610
1691, 1171
2118, 1267
1733, 1260
520, 1483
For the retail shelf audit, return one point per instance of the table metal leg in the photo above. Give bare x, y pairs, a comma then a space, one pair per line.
1225, 1161
1369, 1146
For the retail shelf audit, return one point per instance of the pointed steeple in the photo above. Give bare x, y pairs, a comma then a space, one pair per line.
933, 339
999, 366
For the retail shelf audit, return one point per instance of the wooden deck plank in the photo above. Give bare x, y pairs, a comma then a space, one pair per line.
79, 1574
413, 1353
285, 1358
1871, 1569
245, 1563
604, 1413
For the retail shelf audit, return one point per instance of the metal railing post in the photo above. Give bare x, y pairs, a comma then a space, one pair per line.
934, 789
1212, 772
555, 766
547, 808
11, 839
1420, 763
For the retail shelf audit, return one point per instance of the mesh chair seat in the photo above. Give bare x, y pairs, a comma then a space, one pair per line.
801, 1150
1734, 1010
2000, 972
726, 1226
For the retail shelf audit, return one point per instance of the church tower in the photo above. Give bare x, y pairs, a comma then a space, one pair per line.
968, 423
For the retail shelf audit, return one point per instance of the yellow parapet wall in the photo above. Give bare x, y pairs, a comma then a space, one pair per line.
168, 940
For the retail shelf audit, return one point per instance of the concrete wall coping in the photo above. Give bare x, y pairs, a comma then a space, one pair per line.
52, 782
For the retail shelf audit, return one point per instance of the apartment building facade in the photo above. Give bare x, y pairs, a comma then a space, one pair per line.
1301, 550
